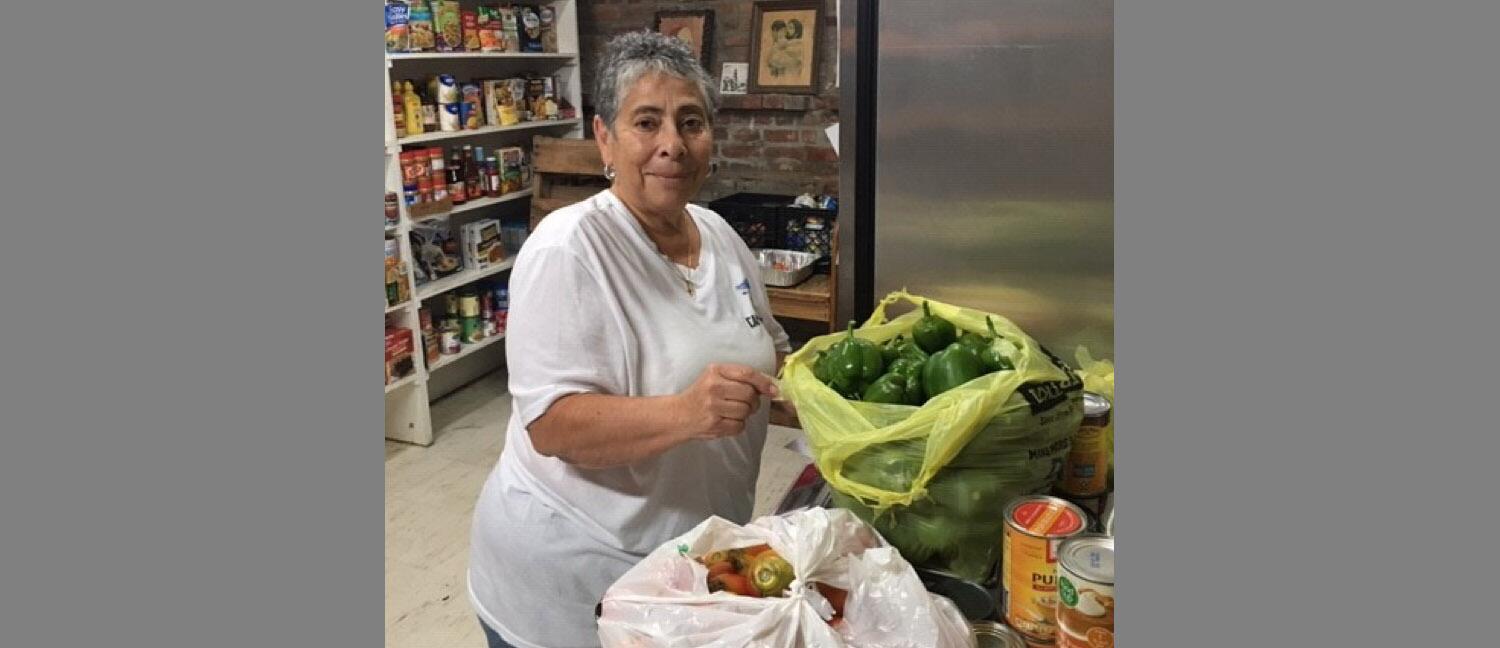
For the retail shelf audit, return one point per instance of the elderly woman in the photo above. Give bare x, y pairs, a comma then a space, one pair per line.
640, 345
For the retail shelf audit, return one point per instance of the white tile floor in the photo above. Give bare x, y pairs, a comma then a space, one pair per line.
429, 498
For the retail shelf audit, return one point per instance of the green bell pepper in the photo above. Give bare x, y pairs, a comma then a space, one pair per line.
915, 394
820, 367
854, 364
974, 341
949, 368
905, 367
990, 358
892, 349
932, 333
889, 389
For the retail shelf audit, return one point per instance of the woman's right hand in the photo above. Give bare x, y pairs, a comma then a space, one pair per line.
717, 404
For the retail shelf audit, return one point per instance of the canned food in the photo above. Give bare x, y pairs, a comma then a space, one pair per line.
409, 171
472, 332
468, 304
988, 634
1086, 593
1086, 471
1034, 527
451, 345
424, 319
392, 209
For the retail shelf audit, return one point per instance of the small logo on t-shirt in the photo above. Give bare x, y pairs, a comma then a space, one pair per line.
743, 287
753, 321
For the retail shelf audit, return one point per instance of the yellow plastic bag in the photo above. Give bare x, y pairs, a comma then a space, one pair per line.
934, 479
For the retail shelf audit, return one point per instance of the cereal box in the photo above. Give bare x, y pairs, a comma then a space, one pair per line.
471, 30
397, 26
423, 38
448, 25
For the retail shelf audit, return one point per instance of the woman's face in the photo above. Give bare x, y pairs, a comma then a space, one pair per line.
660, 145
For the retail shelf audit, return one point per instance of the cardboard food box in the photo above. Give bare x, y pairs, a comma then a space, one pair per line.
398, 358
481, 244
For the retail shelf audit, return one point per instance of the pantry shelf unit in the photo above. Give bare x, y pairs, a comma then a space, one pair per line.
448, 360
408, 415
442, 136
523, 56
478, 204
486, 202
404, 382
435, 288
392, 309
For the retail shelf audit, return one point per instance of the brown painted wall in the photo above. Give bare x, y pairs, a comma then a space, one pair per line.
770, 143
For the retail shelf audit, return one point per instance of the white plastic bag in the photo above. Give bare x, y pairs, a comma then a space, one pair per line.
664, 601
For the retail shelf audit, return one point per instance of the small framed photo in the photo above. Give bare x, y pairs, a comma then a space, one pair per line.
696, 28
784, 46
735, 80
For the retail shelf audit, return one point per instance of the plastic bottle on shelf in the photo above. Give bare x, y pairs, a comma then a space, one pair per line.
398, 111
413, 105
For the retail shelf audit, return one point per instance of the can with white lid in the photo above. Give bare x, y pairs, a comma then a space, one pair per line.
1086, 592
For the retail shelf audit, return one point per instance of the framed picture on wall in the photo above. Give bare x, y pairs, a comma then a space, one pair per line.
735, 79
696, 28
784, 40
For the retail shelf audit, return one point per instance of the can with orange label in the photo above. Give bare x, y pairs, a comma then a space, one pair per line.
1086, 593
1086, 471
1034, 527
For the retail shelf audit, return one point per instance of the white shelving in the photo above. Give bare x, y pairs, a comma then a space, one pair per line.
464, 278
439, 56
404, 382
407, 413
468, 349
486, 202
441, 136
478, 204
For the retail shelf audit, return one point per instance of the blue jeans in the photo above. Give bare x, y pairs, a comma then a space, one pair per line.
493, 637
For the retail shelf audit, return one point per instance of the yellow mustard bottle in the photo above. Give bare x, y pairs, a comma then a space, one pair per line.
413, 109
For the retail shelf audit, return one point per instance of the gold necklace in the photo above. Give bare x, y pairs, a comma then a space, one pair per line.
687, 277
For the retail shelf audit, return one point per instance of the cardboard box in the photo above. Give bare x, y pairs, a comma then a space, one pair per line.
481, 244
398, 358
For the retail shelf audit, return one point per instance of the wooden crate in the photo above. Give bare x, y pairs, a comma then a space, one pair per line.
564, 171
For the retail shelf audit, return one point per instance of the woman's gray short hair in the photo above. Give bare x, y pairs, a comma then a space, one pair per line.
630, 56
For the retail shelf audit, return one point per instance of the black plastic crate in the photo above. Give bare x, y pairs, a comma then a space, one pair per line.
769, 221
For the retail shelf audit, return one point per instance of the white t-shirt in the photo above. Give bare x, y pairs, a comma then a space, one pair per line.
596, 308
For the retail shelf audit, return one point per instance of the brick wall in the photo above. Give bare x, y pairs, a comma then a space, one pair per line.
770, 143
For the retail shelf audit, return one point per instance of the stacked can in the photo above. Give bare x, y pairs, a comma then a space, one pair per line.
468, 308
424, 175
487, 314
431, 346
1034, 527
450, 336
1086, 472
1086, 593
502, 308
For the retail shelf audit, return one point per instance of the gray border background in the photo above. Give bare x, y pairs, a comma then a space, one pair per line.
1305, 263
192, 409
